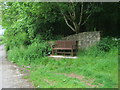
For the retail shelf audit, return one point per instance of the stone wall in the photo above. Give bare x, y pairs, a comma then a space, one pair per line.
85, 39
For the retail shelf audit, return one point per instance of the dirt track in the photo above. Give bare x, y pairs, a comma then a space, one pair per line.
10, 76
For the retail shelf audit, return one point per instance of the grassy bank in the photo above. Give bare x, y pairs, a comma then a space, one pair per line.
95, 67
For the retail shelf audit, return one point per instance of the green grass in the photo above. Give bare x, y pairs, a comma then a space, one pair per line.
54, 80
92, 64
103, 69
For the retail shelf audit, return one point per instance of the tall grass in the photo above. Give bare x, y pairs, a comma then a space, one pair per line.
99, 62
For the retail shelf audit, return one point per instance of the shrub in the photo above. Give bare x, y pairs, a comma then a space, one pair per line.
16, 54
15, 39
36, 50
107, 43
29, 54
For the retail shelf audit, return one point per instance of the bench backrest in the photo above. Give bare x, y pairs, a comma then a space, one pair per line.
65, 43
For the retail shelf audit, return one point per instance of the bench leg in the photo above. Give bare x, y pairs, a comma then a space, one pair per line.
72, 52
52, 52
56, 52
76, 52
63, 52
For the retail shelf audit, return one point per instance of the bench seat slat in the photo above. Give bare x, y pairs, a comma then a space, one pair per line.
63, 48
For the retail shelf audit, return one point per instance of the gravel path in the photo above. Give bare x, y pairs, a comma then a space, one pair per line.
10, 76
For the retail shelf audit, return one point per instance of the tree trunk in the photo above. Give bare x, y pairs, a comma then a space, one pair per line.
76, 27
77, 31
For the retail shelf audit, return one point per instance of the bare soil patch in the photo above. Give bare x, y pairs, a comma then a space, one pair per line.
88, 82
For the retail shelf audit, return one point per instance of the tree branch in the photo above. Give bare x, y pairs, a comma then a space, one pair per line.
81, 14
86, 19
71, 16
68, 17
74, 15
72, 12
68, 23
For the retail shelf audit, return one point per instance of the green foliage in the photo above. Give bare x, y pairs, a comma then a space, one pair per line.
15, 54
15, 39
2, 40
107, 43
36, 50
29, 54
26, 21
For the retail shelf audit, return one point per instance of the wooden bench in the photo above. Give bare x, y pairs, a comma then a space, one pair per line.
65, 47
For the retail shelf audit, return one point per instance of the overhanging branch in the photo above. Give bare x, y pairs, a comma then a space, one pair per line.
68, 23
